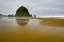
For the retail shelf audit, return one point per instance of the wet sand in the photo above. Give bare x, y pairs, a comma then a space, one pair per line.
31, 30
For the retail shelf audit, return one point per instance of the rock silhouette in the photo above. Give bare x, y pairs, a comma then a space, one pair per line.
23, 12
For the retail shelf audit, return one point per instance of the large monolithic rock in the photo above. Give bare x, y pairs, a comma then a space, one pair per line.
23, 12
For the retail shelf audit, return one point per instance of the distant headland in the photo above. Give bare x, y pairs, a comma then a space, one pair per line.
1, 15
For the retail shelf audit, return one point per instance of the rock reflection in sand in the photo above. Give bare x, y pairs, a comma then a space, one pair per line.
22, 22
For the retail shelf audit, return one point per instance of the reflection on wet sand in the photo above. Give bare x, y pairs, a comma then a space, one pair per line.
52, 22
22, 22
1, 17
10, 17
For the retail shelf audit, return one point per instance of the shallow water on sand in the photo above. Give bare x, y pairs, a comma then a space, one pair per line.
30, 30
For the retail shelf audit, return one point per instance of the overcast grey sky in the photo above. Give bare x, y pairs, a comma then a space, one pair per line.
37, 7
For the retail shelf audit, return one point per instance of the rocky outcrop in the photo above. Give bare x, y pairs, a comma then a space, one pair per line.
23, 12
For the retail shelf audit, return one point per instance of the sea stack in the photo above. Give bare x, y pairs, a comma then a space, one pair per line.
22, 12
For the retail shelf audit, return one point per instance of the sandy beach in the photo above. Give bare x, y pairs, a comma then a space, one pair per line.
31, 29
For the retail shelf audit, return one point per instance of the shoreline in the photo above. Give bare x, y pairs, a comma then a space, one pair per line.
41, 18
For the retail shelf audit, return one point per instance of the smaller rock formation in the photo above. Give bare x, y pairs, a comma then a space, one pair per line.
34, 15
10, 15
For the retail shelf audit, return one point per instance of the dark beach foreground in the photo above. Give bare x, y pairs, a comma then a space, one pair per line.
31, 29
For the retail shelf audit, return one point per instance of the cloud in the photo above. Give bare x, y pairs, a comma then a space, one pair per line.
37, 7
51, 9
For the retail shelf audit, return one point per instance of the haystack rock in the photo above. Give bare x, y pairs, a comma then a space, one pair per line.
23, 12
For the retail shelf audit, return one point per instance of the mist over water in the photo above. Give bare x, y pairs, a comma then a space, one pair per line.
31, 30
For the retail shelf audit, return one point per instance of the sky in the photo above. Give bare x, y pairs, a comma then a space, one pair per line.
35, 7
